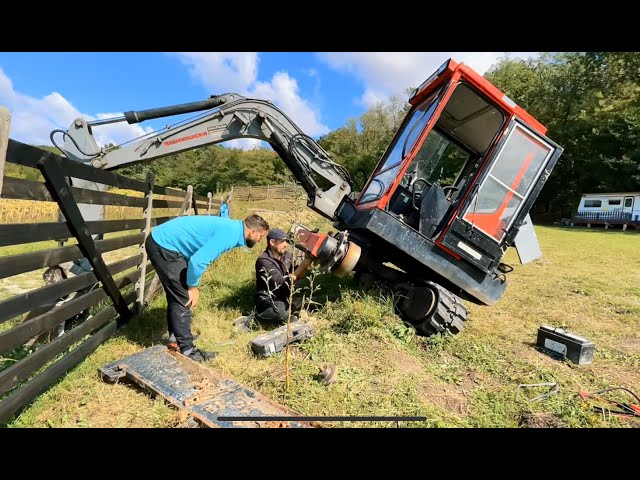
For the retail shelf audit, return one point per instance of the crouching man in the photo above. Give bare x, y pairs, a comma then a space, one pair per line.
275, 275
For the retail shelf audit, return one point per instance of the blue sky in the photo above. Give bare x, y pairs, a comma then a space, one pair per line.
319, 91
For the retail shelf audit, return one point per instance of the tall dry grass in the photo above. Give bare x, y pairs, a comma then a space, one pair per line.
33, 211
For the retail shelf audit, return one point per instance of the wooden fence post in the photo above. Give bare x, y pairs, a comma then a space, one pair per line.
186, 204
209, 198
283, 188
146, 215
5, 119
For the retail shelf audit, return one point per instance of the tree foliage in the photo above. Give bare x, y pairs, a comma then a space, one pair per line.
360, 144
214, 168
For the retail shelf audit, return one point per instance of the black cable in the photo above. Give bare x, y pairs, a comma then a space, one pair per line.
599, 392
624, 408
90, 155
320, 154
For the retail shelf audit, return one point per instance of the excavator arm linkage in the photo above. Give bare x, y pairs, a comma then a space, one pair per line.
225, 117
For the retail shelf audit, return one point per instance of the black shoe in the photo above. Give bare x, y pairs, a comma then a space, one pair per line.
198, 355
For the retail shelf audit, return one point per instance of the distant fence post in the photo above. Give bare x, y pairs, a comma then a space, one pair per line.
283, 189
146, 215
209, 198
186, 204
5, 120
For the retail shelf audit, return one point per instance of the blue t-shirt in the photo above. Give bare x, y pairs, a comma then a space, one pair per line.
200, 239
224, 210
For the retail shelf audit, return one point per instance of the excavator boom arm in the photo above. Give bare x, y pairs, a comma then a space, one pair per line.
226, 117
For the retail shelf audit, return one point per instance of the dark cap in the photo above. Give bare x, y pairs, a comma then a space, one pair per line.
276, 234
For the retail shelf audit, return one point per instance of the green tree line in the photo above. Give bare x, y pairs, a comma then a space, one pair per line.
215, 168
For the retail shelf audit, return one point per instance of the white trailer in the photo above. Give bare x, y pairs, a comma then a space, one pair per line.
609, 209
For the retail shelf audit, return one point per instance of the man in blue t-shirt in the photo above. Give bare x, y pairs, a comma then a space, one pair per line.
181, 250
224, 207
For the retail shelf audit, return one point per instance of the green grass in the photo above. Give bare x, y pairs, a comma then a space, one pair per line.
587, 282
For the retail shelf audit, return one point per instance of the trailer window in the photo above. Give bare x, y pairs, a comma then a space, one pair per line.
614, 202
628, 202
592, 204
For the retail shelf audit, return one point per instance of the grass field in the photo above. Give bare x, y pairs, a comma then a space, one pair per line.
588, 282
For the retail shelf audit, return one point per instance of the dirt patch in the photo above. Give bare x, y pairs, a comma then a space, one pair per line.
404, 362
470, 380
540, 420
632, 345
447, 397
616, 375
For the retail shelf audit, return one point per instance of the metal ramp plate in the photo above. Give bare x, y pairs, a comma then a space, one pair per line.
199, 391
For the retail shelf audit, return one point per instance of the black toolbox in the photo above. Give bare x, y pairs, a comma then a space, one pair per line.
563, 344
275, 341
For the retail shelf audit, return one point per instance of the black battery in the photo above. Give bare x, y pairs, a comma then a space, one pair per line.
560, 343
275, 341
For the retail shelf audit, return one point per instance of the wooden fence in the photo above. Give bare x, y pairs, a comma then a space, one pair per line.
265, 192
614, 217
109, 295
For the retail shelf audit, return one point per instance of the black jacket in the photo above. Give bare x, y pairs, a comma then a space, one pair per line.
276, 271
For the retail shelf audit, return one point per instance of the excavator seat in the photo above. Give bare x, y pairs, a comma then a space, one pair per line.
433, 207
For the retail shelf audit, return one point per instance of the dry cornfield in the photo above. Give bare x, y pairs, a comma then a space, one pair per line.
33, 211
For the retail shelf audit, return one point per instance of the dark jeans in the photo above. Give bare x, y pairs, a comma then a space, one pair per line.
171, 268
275, 311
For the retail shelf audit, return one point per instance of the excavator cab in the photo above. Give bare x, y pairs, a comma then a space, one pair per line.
464, 168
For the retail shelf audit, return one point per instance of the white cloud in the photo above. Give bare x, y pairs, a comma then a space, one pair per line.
222, 72
388, 73
283, 91
238, 72
33, 119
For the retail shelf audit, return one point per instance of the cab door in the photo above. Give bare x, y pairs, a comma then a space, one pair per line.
501, 197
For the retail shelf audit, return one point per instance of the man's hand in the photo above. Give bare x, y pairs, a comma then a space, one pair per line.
194, 297
301, 271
